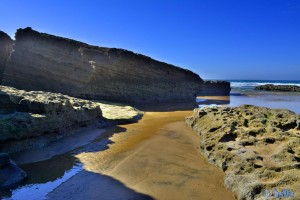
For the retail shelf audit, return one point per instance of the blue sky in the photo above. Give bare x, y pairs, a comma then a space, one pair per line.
218, 39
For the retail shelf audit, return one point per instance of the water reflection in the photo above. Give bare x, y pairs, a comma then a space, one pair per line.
44, 176
213, 100
271, 100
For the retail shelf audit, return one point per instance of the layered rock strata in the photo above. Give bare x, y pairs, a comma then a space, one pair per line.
215, 88
45, 62
258, 148
282, 88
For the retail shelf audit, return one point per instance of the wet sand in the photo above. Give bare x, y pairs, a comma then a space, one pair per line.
64, 145
158, 156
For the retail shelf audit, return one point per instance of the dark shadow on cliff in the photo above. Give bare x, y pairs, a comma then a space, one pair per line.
89, 185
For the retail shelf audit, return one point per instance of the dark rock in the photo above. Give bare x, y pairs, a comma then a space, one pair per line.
11, 175
6, 105
45, 62
215, 88
4, 159
6, 44
282, 88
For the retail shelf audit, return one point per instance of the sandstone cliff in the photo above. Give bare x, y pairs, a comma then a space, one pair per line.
257, 148
6, 44
49, 63
215, 88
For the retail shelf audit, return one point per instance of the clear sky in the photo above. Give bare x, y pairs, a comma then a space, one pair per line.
218, 39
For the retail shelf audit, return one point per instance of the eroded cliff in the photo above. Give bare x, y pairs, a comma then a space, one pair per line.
49, 63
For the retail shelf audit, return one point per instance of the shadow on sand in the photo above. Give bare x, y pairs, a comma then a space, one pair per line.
51, 170
89, 185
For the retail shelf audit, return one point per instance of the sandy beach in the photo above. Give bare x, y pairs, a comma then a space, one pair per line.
158, 158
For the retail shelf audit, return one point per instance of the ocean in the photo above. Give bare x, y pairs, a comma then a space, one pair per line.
249, 85
243, 92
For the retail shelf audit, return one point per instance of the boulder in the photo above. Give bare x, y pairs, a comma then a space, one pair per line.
11, 175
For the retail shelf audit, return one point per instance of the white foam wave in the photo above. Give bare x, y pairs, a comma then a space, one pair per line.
254, 84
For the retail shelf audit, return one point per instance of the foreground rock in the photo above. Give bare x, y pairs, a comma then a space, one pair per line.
10, 174
283, 88
258, 148
49, 63
215, 88
35, 119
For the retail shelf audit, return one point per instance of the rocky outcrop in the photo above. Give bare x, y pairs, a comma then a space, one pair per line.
257, 148
215, 88
282, 88
10, 174
49, 63
6, 44
35, 119
28, 115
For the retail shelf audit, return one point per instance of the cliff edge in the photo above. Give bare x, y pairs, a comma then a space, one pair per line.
45, 62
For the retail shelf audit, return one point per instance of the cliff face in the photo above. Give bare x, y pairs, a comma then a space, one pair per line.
215, 88
6, 44
49, 63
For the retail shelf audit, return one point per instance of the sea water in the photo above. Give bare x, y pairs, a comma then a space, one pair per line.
243, 92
